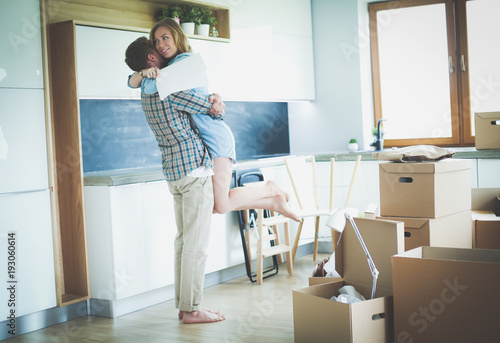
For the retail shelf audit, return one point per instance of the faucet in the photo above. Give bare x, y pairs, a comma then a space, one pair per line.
379, 141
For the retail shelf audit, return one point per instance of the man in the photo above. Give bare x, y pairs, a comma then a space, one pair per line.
187, 167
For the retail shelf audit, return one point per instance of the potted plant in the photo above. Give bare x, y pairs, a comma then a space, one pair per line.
174, 12
353, 145
188, 17
204, 21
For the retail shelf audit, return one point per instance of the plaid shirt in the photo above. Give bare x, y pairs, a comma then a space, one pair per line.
181, 148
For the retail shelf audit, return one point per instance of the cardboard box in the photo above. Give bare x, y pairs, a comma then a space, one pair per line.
425, 189
453, 231
486, 218
487, 130
446, 295
318, 319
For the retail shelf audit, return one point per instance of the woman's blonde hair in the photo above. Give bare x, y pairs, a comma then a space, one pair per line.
180, 39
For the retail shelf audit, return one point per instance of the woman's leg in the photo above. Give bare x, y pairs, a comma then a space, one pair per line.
269, 196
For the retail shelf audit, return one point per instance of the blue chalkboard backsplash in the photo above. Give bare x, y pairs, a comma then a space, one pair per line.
116, 135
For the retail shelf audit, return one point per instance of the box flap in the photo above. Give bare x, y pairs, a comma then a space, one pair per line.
485, 216
453, 254
445, 165
485, 199
383, 239
488, 115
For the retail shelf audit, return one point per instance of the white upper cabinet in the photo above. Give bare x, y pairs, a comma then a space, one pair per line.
108, 78
20, 44
270, 56
23, 145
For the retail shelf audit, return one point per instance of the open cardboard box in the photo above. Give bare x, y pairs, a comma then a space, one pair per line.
425, 189
487, 130
453, 231
319, 319
446, 295
486, 218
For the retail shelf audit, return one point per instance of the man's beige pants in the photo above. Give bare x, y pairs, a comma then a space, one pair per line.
193, 205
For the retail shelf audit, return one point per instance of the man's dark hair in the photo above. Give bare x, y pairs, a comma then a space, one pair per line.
136, 55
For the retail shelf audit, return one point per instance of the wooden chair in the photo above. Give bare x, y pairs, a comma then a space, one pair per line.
267, 230
305, 186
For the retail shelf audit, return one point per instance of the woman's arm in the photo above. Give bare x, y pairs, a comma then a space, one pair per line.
136, 79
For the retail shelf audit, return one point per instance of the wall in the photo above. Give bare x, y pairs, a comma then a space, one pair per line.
336, 115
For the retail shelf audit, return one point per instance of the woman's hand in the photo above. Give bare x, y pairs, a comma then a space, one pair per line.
218, 105
151, 73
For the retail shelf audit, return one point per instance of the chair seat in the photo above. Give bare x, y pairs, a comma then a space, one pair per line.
277, 249
313, 212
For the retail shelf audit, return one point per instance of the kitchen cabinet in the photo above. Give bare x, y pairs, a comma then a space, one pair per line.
28, 216
23, 143
21, 52
131, 230
488, 171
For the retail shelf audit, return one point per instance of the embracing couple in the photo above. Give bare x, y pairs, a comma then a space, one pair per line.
197, 155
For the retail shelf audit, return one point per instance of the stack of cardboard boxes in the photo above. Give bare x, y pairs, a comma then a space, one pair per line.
433, 199
433, 287
443, 290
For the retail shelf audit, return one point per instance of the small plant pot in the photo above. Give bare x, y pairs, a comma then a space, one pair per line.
352, 147
188, 28
203, 30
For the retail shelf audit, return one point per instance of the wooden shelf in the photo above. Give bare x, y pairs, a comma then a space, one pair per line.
72, 279
131, 15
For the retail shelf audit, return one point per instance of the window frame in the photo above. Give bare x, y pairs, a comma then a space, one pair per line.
459, 80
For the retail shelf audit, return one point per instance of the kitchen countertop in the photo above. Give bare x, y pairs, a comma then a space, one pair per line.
139, 175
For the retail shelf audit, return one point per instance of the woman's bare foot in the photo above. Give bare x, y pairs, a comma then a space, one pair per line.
181, 313
277, 190
282, 207
202, 316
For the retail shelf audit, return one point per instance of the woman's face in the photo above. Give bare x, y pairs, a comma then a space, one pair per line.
164, 42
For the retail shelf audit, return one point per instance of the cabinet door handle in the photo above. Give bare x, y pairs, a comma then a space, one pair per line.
462, 63
450, 65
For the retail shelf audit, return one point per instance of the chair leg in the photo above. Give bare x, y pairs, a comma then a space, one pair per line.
260, 258
289, 260
277, 242
316, 234
297, 237
248, 236
333, 239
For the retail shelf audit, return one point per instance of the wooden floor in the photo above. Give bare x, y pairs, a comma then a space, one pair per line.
253, 313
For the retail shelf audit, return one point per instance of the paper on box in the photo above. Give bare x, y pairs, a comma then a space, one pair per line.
446, 295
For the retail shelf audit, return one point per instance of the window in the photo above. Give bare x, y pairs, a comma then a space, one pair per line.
435, 64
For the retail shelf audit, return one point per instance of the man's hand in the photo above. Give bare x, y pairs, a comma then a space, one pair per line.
218, 105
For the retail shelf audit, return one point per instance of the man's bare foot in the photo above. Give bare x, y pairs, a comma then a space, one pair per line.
181, 313
202, 316
282, 207
277, 190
